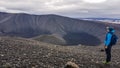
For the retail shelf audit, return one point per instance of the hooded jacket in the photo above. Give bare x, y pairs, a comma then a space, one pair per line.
108, 38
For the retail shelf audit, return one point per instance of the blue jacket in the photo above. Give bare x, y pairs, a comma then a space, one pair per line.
108, 38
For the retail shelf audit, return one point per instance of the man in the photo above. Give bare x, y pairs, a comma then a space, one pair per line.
108, 44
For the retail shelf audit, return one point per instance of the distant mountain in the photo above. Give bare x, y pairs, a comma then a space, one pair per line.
109, 20
73, 31
102, 18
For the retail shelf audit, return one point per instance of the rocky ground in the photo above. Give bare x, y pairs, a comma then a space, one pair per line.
25, 53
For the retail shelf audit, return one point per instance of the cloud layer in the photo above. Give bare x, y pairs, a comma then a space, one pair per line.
72, 8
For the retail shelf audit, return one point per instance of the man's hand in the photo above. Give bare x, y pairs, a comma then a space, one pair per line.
105, 47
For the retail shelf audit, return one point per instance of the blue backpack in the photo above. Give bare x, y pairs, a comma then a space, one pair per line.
113, 39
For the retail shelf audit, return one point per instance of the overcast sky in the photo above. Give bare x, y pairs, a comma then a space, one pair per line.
71, 8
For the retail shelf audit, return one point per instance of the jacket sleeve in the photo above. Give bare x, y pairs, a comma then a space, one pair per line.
108, 40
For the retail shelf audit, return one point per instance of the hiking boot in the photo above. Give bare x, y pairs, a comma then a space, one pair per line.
106, 62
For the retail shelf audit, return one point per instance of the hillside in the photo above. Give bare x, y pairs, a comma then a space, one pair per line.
25, 53
73, 31
53, 39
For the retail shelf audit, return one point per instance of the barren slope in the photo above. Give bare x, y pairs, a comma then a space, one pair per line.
24, 53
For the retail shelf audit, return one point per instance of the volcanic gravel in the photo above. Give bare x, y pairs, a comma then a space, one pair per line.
27, 53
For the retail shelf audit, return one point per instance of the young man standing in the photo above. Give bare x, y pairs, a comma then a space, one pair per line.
108, 44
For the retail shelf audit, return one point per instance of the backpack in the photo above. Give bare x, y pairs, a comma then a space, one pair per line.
113, 39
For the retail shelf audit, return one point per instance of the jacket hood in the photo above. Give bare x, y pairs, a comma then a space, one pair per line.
111, 30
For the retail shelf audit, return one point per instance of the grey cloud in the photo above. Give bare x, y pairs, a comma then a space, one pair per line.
72, 8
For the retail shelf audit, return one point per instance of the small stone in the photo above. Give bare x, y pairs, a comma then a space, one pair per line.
71, 65
92, 59
79, 45
7, 65
24, 54
2, 55
34, 52
97, 62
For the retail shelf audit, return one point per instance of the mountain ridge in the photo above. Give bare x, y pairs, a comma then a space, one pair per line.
28, 26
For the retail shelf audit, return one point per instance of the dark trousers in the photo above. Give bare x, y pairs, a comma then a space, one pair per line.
108, 53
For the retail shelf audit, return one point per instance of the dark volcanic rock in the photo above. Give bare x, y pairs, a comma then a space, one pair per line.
25, 53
